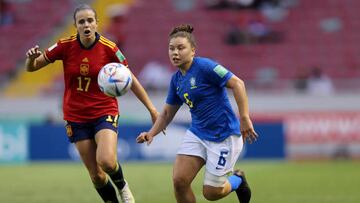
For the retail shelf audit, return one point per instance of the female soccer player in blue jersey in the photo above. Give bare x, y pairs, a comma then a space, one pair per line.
215, 137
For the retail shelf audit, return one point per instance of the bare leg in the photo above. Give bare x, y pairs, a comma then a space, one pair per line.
214, 193
185, 169
87, 150
106, 156
106, 153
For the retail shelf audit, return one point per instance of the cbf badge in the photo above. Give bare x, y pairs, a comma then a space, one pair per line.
192, 83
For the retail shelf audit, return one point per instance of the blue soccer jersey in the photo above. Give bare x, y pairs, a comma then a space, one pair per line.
203, 89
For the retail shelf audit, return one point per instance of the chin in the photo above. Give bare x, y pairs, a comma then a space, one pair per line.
176, 63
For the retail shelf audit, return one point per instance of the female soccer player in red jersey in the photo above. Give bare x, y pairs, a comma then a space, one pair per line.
91, 116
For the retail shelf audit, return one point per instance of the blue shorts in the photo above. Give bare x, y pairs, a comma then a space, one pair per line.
82, 131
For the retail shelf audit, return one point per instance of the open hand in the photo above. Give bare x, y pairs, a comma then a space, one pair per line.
247, 131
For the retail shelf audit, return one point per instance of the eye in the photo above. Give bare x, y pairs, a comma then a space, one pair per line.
90, 20
82, 21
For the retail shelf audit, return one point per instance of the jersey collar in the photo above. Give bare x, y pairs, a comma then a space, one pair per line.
97, 37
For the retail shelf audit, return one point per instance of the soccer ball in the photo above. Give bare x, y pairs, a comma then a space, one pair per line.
114, 79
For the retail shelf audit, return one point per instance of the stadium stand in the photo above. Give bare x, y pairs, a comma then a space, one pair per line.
28, 25
305, 42
315, 33
33, 22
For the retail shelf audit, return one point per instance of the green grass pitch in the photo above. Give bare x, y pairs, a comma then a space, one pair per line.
271, 182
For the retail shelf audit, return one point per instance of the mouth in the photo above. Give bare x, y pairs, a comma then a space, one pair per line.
87, 32
175, 60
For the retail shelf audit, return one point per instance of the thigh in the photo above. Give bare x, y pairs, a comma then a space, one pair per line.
186, 167
221, 157
106, 138
106, 141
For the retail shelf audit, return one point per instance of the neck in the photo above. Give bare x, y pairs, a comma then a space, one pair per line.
185, 67
87, 42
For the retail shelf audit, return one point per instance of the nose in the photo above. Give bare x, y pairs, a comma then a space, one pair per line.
175, 52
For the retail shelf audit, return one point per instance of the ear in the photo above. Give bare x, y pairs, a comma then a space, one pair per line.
193, 50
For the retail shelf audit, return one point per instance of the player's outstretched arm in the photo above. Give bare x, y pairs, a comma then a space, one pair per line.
141, 94
35, 59
163, 120
246, 127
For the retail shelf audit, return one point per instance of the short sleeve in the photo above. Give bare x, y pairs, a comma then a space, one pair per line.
217, 74
173, 98
55, 52
119, 56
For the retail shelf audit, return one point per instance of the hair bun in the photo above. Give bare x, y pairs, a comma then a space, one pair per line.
182, 28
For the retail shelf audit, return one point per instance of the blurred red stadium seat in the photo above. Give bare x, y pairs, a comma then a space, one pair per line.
33, 20
305, 43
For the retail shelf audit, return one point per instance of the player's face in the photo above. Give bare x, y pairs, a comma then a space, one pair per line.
85, 23
181, 53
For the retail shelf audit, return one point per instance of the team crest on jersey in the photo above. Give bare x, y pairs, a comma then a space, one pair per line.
84, 69
85, 60
69, 131
192, 83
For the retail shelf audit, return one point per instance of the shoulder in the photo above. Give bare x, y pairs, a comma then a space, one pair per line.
204, 60
66, 40
107, 43
205, 63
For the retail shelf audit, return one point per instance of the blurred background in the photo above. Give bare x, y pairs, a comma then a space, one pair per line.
300, 60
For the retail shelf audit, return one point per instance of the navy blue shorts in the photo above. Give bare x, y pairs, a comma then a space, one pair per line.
82, 131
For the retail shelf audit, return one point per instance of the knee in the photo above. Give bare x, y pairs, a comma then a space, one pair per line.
180, 183
210, 196
98, 178
212, 193
107, 164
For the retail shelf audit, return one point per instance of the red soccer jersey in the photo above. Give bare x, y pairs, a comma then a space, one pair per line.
83, 101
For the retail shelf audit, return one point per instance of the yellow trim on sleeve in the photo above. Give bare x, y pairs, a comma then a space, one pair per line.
106, 44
